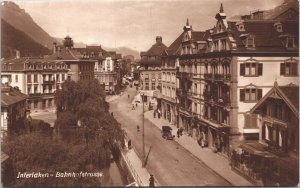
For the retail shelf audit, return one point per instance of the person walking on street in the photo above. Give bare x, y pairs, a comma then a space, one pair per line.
138, 128
128, 96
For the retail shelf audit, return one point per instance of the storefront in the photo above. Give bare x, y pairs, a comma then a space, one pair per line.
264, 168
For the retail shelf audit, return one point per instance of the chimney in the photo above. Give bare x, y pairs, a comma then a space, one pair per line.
158, 39
17, 54
54, 47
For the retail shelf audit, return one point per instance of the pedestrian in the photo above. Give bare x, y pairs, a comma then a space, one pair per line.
178, 133
135, 104
128, 96
151, 181
112, 114
138, 128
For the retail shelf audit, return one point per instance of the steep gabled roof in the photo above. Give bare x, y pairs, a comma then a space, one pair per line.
156, 49
11, 97
265, 35
292, 94
173, 48
289, 93
63, 54
16, 64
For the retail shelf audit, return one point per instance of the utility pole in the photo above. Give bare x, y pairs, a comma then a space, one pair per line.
143, 136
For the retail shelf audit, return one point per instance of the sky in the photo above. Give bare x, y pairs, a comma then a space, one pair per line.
134, 24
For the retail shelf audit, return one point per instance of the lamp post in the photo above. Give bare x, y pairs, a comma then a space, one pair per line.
143, 136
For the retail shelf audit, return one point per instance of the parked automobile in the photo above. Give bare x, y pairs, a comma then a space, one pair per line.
167, 133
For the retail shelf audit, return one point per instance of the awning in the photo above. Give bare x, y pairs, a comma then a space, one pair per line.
256, 148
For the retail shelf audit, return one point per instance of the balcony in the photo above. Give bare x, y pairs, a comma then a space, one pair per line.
35, 94
48, 81
208, 76
207, 95
179, 92
222, 77
224, 100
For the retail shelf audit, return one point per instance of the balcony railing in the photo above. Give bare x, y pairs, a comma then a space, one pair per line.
222, 77
48, 81
35, 94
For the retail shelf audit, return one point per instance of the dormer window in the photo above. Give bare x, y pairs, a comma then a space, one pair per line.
250, 42
290, 42
278, 27
240, 26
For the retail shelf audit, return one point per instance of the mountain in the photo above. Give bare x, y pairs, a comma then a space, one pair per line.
13, 39
124, 51
19, 19
271, 13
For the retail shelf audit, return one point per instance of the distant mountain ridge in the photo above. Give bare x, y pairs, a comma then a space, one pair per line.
22, 21
19, 19
13, 39
124, 51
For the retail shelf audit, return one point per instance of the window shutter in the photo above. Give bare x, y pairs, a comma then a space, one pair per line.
242, 94
294, 69
259, 94
263, 132
242, 69
282, 67
260, 69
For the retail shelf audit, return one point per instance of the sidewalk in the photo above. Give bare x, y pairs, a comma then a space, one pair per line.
134, 164
214, 161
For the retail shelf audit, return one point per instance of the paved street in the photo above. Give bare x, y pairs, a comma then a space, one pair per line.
169, 162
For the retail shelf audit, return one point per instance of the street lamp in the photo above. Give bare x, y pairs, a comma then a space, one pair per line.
143, 136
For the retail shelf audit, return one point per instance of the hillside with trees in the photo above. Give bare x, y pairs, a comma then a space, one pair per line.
13, 39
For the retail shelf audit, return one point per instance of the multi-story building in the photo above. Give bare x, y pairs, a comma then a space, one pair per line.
80, 67
150, 70
273, 160
223, 75
13, 109
106, 69
37, 78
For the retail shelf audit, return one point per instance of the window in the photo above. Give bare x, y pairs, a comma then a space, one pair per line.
251, 69
146, 85
16, 78
44, 103
35, 89
224, 44
35, 104
290, 42
57, 77
35, 78
29, 78
289, 68
250, 42
63, 77
250, 94
49, 102
29, 90
153, 86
